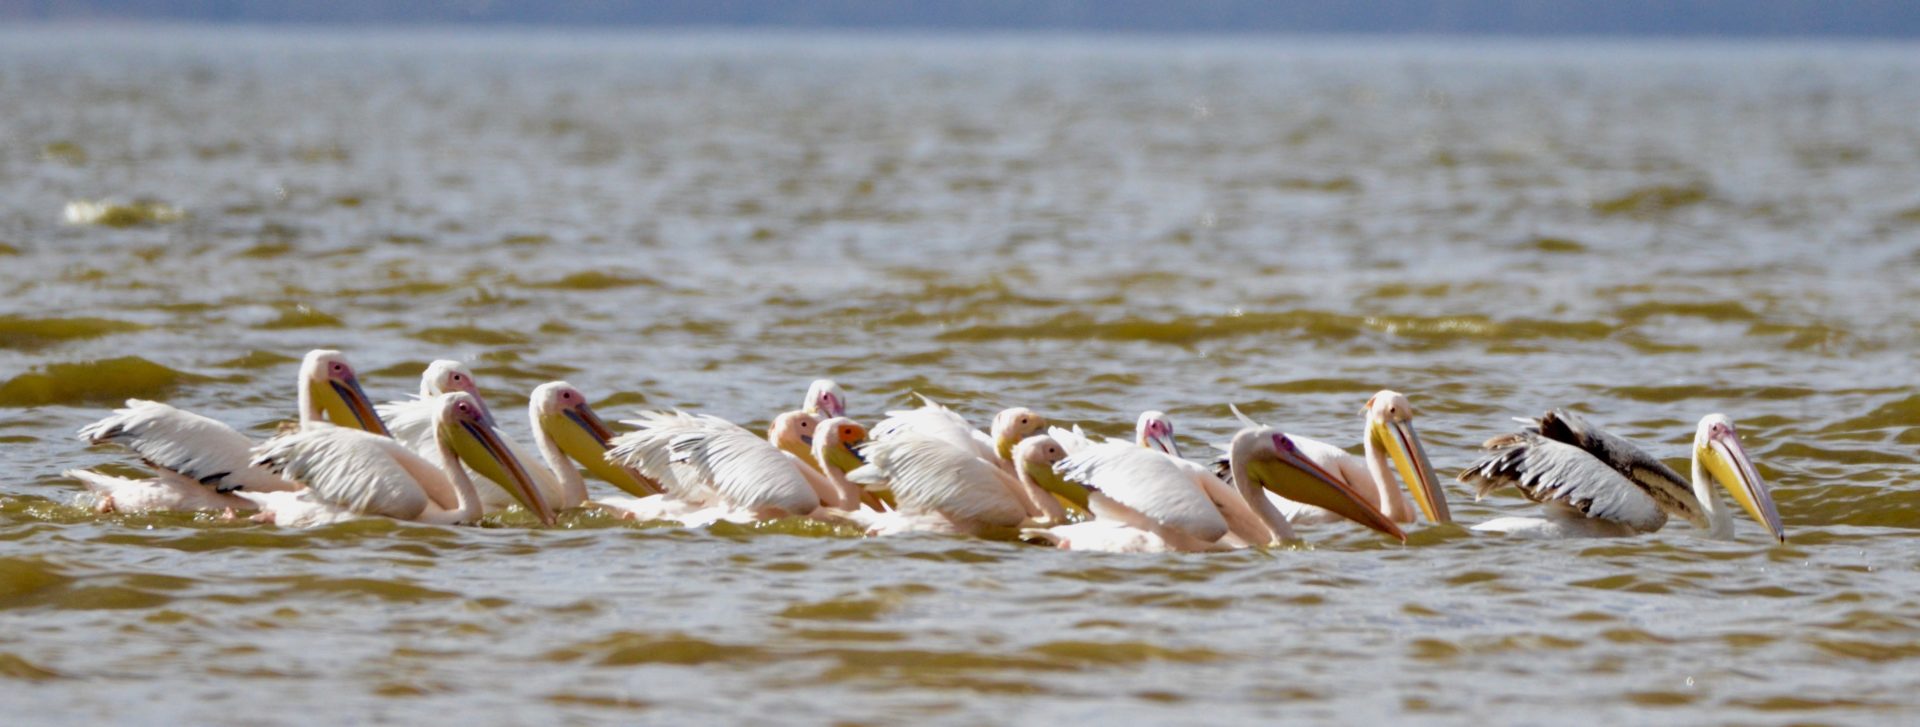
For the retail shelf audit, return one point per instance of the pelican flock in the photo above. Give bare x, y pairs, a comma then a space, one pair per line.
440, 457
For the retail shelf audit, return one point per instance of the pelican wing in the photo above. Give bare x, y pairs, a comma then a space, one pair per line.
1556, 473
936, 421
351, 469
646, 449
929, 475
1071, 440
1668, 490
411, 422
1240, 516
746, 471
1148, 482
185, 444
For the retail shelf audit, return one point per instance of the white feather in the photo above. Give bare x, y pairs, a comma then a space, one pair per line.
1562, 475
411, 423
352, 470
167, 491
694, 455
930, 476
189, 445
1071, 440
296, 509
1105, 536
1148, 482
936, 421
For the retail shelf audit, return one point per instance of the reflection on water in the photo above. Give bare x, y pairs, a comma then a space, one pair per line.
1089, 227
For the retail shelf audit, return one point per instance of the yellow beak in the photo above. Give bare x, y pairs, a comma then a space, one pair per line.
478, 447
1416, 471
584, 438
347, 405
1727, 461
1071, 494
1293, 476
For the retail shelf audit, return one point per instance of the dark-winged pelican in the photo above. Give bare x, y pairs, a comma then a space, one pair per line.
1595, 484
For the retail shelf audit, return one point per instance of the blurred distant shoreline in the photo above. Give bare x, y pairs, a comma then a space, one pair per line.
1759, 19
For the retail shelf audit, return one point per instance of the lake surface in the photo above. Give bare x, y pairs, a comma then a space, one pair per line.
1087, 226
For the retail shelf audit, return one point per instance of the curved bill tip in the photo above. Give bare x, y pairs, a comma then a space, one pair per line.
1734, 469
496, 462
1293, 476
1409, 457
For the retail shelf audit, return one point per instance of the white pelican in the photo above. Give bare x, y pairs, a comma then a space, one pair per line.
1266, 459
825, 400
834, 455
412, 423
940, 488
198, 461
1594, 484
1153, 433
1010, 426
711, 469
348, 473
566, 428
1390, 444
934, 419
1146, 489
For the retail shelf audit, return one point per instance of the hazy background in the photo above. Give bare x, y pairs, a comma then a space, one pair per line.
1770, 18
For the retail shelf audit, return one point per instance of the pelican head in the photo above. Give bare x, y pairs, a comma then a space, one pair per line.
1013, 425
465, 427
1390, 426
833, 444
328, 384
1155, 431
793, 432
825, 400
1264, 457
1719, 456
560, 412
445, 376
1034, 458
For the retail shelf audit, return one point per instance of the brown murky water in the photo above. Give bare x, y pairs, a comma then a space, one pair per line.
1646, 232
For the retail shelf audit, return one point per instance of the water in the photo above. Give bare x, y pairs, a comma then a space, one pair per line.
1091, 227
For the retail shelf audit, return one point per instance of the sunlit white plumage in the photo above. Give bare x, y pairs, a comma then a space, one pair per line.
938, 487
1392, 457
1105, 536
705, 460
411, 421
199, 460
349, 473
1160, 470
183, 443
934, 420
1149, 483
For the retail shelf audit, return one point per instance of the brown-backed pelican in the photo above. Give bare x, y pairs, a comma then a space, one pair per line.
1594, 484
